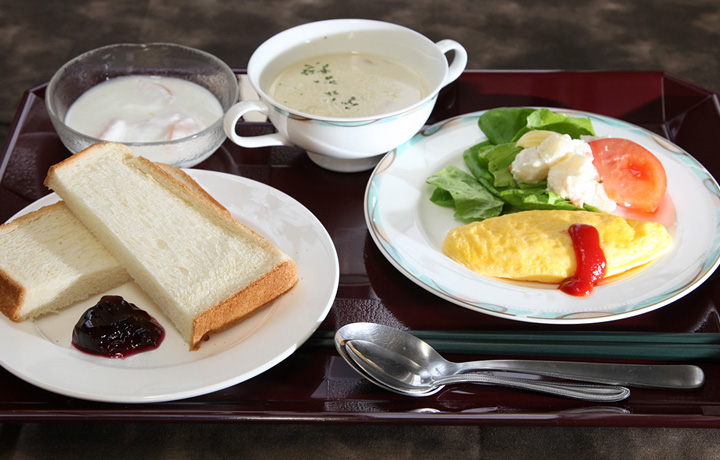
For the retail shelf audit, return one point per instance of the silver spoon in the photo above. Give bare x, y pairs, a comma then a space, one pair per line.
673, 376
383, 373
572, 390
578, 391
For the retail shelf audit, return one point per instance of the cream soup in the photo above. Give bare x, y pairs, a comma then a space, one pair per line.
144, 109
348, 85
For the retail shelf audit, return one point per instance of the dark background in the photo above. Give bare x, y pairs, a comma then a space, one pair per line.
678, 36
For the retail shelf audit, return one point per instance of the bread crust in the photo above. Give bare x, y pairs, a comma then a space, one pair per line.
12, 296
244, 303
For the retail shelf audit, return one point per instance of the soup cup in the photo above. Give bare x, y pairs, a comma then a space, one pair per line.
344, 144
86, 71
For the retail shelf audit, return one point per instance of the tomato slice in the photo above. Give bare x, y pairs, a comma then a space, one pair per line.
631, 175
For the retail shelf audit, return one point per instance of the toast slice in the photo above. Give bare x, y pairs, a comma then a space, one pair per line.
50, 260
205, 270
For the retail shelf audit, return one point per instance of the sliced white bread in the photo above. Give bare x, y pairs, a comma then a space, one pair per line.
205, 270
50, 260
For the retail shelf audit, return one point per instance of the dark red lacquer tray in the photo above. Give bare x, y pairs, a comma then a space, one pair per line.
314, 384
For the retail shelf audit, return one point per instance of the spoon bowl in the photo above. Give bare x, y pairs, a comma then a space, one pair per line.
375, 375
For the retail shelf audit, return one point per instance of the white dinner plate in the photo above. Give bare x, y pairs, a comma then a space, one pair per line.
40, 351
409, 230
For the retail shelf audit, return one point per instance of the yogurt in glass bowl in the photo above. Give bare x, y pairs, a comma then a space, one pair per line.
165, 101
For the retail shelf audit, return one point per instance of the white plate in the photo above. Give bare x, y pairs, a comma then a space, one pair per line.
409, 230
40, 351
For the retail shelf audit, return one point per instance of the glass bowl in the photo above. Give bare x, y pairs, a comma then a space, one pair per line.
156, 59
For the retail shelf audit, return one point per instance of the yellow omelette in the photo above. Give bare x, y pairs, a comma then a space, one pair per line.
536, 245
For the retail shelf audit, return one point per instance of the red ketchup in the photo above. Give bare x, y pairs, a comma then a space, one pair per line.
591, 262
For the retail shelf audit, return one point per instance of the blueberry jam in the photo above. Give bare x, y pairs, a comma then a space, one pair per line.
116, 328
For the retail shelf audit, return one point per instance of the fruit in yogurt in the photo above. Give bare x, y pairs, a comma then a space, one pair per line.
143, 108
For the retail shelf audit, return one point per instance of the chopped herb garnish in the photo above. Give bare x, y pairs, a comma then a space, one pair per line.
309, 69
350, 102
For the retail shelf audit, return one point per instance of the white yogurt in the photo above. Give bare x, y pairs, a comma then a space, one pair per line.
143, 108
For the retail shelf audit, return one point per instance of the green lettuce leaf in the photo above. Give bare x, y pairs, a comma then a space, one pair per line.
472, 201
508, 124
502, 124
550, 121
499, 160
490, 189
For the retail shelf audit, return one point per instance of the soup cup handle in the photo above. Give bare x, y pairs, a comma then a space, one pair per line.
232, 117
459, 59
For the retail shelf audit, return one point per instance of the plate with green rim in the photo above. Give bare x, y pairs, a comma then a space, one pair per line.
409, 230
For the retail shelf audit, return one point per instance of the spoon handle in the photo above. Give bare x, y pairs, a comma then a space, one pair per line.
587, 392
673, 376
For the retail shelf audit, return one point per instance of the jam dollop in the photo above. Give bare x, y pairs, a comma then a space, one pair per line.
116, 328
591, 263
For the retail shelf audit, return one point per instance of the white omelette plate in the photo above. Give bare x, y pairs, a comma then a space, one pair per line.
409, 229
40, 351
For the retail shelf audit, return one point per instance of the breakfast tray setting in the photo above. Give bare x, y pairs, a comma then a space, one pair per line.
315, 385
